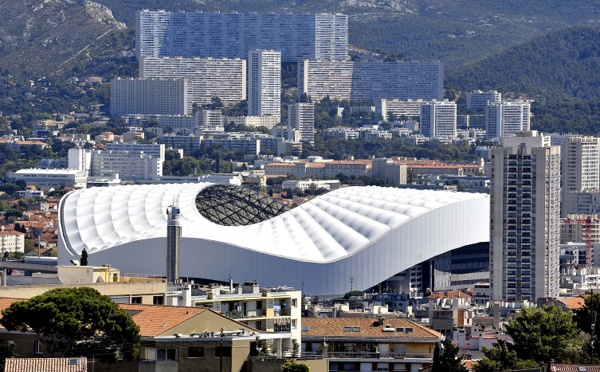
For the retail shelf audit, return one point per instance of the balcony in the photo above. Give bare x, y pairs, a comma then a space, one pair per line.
258, 313
363, 355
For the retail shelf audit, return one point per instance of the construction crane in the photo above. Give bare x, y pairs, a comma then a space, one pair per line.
586, 226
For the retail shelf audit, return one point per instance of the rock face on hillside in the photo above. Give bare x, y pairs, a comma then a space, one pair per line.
102, 14
38, 37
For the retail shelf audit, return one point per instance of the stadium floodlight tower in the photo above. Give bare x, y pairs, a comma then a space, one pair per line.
173, 242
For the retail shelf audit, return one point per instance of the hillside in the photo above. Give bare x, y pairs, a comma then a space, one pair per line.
456, 32
42, 37
549, 68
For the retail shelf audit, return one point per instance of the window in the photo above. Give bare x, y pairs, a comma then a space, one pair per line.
38, 348
196, 352
163, 355
157, 300
223, 351
148, 353
136, 300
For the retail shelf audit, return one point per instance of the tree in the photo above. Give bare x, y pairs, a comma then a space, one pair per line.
76, 321
295, 349
354, 293
7, 350
447, 360
291, 366
544, 334
502, 357
587, 319
84, 258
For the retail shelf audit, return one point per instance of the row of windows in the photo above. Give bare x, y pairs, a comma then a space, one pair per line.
172, 354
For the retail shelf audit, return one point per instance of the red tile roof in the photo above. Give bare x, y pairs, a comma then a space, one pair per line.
152, 319
362, 328
449, 294
46, 364
572, 303
11, 232
155, 320
5, 302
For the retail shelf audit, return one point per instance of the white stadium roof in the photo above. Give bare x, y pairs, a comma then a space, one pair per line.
367, 233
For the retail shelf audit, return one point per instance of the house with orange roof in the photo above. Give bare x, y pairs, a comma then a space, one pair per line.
369, 344
39, 144
564, 303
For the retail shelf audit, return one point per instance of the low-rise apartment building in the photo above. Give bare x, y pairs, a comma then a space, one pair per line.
12, 242
369, 344
265, 309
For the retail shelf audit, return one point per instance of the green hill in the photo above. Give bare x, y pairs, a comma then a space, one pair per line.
550, 68
43, 37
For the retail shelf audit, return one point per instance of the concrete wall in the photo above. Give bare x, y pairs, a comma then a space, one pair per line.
147, 290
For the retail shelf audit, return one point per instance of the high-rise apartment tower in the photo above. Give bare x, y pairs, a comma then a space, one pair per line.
506, 118
264, 83
301, 116
438, 119
478, 100
525, 218
580, 170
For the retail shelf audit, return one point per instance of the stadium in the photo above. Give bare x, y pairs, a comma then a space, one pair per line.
350, 238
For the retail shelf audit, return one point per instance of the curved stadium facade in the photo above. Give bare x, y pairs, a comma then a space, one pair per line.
354, 237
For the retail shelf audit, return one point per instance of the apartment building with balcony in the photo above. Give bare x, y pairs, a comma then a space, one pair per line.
478, 100
397, 108
438, 119
12, 241
506, 118
348, 80
580, 170
369, 344
525, 218
149, 97
266, 309
232, 35
301, 117
206, 77
264, 83
128, 165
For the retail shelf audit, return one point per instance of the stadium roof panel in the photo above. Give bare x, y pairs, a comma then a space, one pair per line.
404, 225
